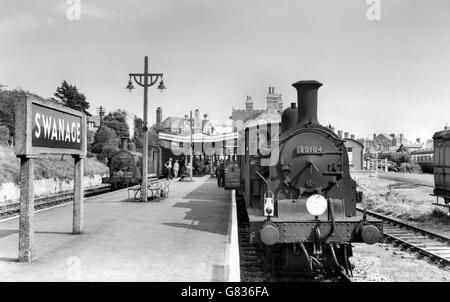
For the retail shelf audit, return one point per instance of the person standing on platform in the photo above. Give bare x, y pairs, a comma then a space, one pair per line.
169, 168
176, 167
220, 175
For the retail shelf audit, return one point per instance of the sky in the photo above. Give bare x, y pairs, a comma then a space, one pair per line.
391, 74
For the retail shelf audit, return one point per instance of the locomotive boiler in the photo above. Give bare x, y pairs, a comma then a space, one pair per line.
298, 192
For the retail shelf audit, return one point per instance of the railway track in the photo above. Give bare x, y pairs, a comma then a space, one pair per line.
252, 269
13, 209
432, 246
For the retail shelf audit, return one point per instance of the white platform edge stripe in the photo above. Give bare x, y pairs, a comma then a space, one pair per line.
234, 271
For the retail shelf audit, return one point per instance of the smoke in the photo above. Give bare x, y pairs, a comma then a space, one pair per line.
130, 123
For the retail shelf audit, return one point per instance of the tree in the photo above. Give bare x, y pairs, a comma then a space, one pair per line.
104, 136
139, 133
69, 96
105, 142
7, 108
117, 121
5, 138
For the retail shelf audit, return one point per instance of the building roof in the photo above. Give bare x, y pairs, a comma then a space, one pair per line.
429, 145
354, 141
173, 124
270, 116
245, 115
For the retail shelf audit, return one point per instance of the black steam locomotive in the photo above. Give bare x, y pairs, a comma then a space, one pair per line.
125, 166
298, 192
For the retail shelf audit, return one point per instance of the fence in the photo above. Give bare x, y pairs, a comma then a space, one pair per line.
377, 165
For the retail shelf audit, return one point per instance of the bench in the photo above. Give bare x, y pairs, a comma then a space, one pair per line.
156, 189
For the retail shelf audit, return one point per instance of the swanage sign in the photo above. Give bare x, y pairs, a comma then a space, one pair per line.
49, 128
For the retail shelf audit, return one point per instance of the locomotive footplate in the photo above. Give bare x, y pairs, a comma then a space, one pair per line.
295, 232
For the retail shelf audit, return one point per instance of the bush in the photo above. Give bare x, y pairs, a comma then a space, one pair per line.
107, 152
400, 158
5, 138
410, 168
52, 166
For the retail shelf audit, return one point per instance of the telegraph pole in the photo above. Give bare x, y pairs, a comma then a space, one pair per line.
101, 111
191, 124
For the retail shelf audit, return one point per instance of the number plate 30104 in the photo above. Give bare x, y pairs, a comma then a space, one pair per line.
309, 149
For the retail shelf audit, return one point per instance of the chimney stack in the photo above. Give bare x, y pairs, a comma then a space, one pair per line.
418, 140
352, 136
249, 103
340, 133
346, 135
197, 114
158, 115
401, 138
307, 101
374, 136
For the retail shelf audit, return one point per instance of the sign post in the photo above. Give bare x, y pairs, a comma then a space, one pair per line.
45, 127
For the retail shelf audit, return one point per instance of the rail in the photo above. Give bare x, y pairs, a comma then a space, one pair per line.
51, 200
424, 242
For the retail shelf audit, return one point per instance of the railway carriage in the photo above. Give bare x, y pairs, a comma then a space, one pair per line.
442, 165
299, 196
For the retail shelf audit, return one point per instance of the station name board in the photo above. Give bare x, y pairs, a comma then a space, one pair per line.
45, 127
55, 129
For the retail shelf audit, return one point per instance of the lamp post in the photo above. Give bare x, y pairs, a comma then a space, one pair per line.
145, 80
191, 126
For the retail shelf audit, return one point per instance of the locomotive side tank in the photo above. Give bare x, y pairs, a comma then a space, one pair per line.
302, 208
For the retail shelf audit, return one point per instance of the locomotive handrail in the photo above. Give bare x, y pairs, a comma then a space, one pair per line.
262, 177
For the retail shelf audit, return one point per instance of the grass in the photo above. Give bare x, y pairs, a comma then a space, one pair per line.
397, 205
52, 166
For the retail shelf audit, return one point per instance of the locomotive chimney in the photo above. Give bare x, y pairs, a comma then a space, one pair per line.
132, 146
307, 101
197, 114
124, 143
158, 115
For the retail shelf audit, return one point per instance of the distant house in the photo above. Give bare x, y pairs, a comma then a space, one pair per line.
273, 100
355, 151
93, 122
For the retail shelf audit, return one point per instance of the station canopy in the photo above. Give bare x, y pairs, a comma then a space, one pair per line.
198, 137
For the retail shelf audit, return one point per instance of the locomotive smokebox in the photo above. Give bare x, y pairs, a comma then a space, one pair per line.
307, 101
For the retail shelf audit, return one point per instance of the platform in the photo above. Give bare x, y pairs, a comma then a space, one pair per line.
185, 237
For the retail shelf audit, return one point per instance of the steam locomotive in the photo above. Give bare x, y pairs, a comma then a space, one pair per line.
125, 166
299, 196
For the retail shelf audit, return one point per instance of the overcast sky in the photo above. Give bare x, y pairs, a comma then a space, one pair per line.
390, 75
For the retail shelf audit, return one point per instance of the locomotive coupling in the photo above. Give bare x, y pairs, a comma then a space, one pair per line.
269, 233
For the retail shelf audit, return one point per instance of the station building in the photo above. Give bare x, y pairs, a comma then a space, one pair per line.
211, 140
